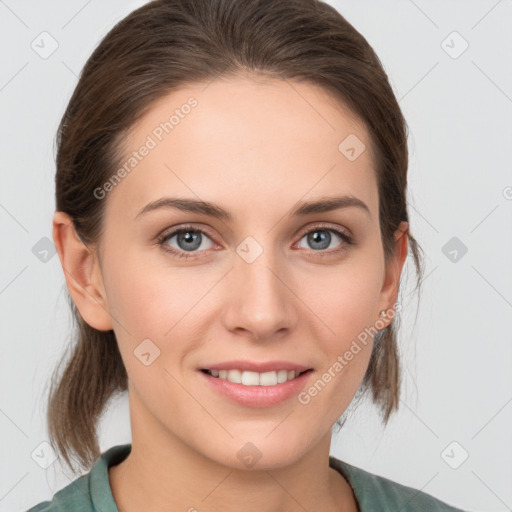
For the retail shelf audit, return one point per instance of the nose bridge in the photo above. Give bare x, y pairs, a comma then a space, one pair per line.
261, 301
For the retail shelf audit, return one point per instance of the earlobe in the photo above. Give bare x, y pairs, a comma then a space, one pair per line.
82, 273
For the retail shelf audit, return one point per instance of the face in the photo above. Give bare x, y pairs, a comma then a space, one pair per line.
265, 281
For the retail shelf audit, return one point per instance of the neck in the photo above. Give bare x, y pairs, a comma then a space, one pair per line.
163, 473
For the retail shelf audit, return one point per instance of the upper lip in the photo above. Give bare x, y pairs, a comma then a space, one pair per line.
260, 367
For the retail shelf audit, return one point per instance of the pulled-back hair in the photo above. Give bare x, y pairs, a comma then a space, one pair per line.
166, 45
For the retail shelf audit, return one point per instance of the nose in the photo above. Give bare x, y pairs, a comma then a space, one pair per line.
260, 300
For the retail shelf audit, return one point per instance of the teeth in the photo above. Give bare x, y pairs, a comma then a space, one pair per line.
247, 378
282, 376
254, 378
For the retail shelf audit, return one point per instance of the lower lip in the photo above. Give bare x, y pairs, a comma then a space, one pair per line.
257, 396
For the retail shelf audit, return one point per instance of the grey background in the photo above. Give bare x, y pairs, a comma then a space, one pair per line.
457, 356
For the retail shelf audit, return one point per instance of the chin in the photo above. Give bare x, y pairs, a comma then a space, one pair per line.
260, 452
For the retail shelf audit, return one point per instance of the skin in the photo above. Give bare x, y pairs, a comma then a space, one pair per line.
256, 147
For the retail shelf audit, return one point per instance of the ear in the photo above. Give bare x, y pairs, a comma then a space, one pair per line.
389, 292
82, 272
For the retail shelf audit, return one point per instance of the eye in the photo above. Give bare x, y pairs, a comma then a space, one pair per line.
188, 239
192, 240
320, 238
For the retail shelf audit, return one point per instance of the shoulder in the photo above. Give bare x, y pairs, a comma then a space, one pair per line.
90, 492
373, 491
75, 496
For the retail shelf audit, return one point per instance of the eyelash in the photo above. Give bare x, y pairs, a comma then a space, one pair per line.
183, 254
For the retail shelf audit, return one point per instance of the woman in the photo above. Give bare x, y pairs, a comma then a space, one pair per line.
232, 225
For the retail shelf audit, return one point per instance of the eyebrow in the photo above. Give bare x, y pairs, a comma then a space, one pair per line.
324, 204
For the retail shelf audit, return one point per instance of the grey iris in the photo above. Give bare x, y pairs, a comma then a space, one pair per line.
322, 237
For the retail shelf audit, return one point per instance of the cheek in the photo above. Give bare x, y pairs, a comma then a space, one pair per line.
149, 298
346, 299
345, 302
347, 308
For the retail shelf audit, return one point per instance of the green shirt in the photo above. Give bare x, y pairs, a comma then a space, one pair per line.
92, 493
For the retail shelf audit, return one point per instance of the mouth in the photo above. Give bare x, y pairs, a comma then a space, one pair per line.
249, 388
251, 378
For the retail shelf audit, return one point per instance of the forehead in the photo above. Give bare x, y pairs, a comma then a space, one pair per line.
246, 141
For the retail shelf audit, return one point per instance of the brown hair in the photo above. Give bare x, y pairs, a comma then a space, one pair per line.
168, 44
